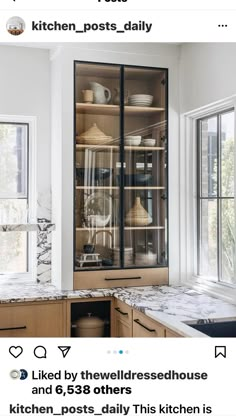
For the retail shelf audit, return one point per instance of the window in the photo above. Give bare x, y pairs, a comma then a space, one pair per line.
215, 197
15, 195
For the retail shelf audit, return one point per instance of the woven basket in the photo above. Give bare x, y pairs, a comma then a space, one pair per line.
137, 215
94, 136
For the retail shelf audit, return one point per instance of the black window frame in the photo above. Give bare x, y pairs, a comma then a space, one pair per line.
24, 196
218, 197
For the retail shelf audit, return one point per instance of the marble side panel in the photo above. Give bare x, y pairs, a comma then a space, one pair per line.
44, 252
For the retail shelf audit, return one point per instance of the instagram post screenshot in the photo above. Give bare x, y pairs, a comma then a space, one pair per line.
117, 209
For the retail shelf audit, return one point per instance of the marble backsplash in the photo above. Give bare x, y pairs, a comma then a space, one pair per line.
44, 252
44, 238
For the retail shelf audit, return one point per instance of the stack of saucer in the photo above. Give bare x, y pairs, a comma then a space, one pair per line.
128, 256
143, 259
140, 100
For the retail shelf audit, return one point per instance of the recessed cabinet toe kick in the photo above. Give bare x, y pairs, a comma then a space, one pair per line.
120, 176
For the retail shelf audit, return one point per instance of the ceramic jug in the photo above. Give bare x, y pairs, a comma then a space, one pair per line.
101, 94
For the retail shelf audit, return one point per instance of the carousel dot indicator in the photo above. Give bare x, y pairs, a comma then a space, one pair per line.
121, 352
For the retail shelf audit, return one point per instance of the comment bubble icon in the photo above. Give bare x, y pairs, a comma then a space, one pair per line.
40, 352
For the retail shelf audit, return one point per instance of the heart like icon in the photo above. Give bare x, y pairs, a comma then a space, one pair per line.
15, 351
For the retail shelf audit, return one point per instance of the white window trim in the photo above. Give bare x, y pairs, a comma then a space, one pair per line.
188, 200
31, 276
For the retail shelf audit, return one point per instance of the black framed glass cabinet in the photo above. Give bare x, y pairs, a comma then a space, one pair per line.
120, 175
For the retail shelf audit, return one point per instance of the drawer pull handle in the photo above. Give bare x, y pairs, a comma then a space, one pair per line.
13, 328
123, 278
141, 325
120, 312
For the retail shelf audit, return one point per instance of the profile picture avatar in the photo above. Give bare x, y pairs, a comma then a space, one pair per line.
15, 25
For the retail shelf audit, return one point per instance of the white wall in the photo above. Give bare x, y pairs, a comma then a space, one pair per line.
207, 74
159, 55
25, 90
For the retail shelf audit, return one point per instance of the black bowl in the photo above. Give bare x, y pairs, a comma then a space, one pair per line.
136, 179
89, 248
98, 174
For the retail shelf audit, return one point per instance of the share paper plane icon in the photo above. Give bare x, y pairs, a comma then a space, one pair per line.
65, 350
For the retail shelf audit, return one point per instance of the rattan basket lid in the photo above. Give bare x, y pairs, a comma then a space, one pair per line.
94, 133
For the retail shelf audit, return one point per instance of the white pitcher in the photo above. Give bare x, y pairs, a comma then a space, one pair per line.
101, 94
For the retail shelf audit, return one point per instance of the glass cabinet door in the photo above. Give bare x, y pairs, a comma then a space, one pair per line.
97, 166
145, 167
120, 215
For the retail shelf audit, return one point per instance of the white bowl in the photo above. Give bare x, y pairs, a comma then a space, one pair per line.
149, 142
133, 138
130, 142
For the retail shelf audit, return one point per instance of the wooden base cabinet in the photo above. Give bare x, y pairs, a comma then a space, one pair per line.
143, 326
122, 319
129, 322
32, 320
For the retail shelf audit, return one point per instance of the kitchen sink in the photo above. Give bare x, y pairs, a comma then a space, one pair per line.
224, 327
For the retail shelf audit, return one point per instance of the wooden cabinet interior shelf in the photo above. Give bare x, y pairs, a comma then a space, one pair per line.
117, 227
101, 109
143, 227
89, 187
108, 147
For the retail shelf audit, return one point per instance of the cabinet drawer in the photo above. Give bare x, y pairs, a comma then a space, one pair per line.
124, 310
32, 320
144, 326
120, 278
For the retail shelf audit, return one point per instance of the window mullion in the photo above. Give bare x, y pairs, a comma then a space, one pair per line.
219, 207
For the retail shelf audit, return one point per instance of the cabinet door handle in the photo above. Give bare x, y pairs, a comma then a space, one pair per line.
141, 325
120, 312
13, 328
123, 278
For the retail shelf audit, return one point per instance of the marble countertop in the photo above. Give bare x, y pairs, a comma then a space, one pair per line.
169, 305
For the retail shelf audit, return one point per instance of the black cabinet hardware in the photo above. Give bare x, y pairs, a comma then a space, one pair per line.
141, 325
123, 278
120, 312
13, 328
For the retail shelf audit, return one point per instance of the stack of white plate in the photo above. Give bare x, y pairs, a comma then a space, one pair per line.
140, 100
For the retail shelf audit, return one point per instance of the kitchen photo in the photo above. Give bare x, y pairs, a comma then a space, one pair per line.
117, 190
